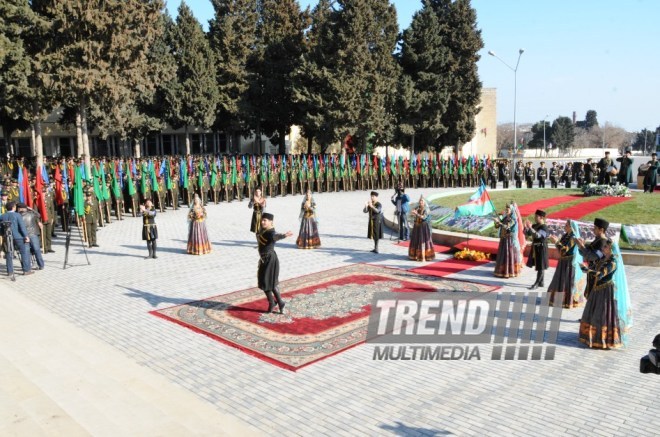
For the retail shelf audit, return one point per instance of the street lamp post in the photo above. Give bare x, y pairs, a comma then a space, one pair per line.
515, 82
544, 146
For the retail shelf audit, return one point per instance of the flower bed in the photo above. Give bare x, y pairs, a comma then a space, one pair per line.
606, 190
471, 255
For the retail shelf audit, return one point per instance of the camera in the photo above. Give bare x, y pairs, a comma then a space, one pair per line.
651, 363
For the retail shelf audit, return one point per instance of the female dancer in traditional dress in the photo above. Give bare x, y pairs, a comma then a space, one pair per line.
607, 316
258, 203
198, 238
308, 237
421, 243
569, 278
508, 263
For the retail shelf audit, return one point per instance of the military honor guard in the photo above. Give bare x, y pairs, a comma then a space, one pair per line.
542, 175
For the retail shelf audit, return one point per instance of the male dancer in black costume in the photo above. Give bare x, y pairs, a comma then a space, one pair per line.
538, 256
269, 265
375, 211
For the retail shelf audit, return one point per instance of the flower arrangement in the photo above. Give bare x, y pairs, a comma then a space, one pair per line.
471, 255
606, 190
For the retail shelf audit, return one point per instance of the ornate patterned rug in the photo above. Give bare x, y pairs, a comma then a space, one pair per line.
326, 313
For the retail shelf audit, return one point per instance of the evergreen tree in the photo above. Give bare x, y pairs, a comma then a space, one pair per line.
424, 88
99, 54
193, 97
563, 133
366, 72
591, 119
314, 94
232, 35
279, 50
458, 25
15, 67
538, 134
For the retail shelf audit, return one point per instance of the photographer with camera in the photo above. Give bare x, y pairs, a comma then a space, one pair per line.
14, 229
401, 200
32, 220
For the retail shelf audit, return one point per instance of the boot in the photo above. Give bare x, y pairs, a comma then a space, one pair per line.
151, 251
271, 301
280, 302
541, 275
375, 246
153, 244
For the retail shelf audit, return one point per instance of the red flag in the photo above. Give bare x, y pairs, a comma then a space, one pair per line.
41, 202
27, 192
59, 198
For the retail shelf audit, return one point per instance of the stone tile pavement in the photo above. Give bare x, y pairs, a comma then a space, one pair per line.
581, 392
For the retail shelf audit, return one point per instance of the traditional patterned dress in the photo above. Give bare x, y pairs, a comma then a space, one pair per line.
599, 326
255, 225
508, 263
198, 238
421, 243
308, 237
568, 277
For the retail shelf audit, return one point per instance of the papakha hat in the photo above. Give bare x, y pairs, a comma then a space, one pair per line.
601, 223
267, 216
540, 212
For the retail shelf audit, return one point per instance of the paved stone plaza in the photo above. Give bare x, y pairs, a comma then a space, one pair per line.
581, 392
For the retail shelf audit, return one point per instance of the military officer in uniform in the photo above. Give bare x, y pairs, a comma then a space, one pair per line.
48, 225
554, 175
518, 174
91, 218
529, 175
542, 175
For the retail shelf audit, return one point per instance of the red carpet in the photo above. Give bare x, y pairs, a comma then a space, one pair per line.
326, 313
585, 208
447, 267
436, 247
531, 208
484, 246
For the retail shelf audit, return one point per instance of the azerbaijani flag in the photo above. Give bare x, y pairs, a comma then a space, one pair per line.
479, 204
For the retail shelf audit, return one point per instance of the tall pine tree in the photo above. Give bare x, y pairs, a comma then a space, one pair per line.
232, 34
458, 29
193, 97
366, 71
280, 47
424, 87
313, 91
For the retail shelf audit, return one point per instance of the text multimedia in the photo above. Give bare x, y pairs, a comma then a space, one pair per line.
424, 353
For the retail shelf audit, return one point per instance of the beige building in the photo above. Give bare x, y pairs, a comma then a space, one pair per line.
60, 141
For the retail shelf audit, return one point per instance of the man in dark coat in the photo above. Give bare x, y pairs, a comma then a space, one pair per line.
588, 173
375, 211
13, 220
538, 256
604, 177
625, 169
651, 177
149, 229
518, 174
593, 251
268, 271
